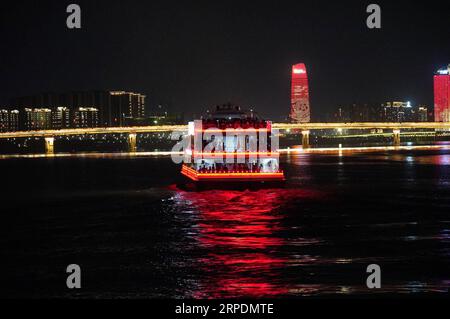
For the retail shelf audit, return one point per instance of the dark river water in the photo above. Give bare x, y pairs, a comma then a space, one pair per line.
136, 234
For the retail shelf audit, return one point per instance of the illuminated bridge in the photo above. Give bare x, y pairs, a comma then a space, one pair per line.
304, 128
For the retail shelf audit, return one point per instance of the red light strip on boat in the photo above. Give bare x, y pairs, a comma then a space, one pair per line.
238, 174
194, 175
236, 153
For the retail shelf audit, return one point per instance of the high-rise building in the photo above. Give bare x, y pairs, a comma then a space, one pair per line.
37, 119
422, 113
14, 120
442, 95
300, 108
9, 120
115, 108
126, 107
86, 117
4, 120
61, 118
398, 112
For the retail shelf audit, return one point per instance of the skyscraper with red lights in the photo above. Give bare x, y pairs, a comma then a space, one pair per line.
442, 95
300, 111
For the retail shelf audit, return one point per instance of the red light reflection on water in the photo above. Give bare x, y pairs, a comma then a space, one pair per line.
240, 231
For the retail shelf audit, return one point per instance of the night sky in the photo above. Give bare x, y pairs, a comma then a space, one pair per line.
194, 54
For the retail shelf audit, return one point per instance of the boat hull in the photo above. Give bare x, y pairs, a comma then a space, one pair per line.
238, 180
190, 185
231, 176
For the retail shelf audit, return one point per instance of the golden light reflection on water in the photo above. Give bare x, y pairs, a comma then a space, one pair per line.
288, 151
92, 155
344, 150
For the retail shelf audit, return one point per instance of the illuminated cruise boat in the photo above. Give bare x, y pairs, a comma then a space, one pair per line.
231, 145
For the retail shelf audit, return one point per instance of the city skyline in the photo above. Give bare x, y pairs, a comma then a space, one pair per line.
96, 108
45, 100
442, 95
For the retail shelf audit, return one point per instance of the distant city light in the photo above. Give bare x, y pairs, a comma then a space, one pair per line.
299, 71
191, 129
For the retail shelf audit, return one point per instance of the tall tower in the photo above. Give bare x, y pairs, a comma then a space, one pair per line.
442, 95
300, 111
